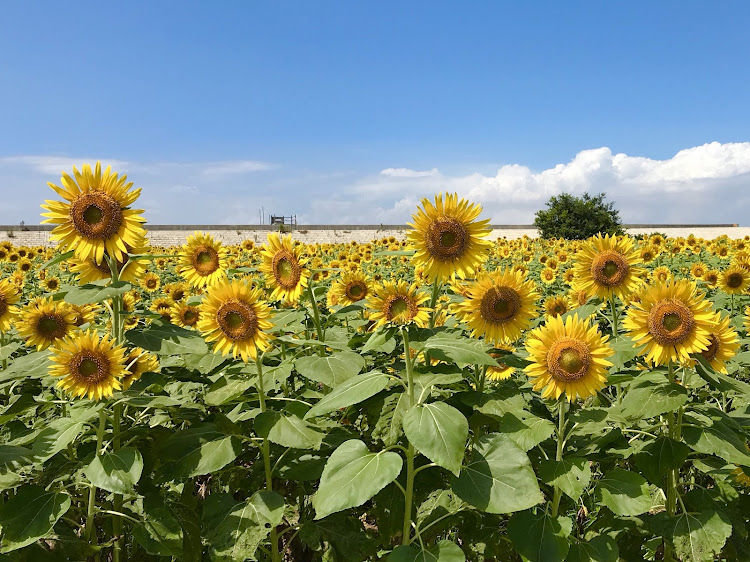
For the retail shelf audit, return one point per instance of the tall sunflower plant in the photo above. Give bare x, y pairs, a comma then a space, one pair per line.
442, 397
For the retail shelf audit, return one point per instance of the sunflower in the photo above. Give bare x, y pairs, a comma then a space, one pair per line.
203, 260
724, 344
25, 265
177, 291
502, 371
52, 284
45, 322
556, 306
648, 253
605, 266
499, 306
569, 276
89, 365
284, 268
568, 357
548, 276
711, 277
661, 274
150, 282
84, 313
352, 287
734, 280
9, 296
398, 304
447, 237
185, 315
138, 362
96, 216
233, 315
163, 307
673, 320
698, 270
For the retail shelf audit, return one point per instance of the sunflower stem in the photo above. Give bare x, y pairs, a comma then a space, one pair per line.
409, 493
433, 301
672, 476
559, 454
2, 344
614, 315
266, 453
316, 318
89, 532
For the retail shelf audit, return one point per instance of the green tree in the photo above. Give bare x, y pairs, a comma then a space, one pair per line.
577, 218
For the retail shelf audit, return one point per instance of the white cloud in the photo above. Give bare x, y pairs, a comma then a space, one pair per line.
407, 173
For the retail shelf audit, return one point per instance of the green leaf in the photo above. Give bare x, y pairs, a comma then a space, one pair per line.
715, 437
226, 389
32, 366
58, 258
235, 529
96, 292
624, 492
30, 515
56, 437
198, 450
720, 381
499, 478
352, 476
116, 472
381, 340
288, 430
599, 549
540, 537
8, 349
331, 370
625, 350
571, 475
159, 531
650, 395
444, 551
13, 456
698, 538
353, 391
439, 432
656, 459
525, 429
451, 349
167, 339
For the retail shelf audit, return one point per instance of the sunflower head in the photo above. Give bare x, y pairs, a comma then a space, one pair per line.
185, 315
567, 357
284, 267
9, 296
447, 237
352, 287
605, 266
734, 280
138, 362
150, 282
88, 365
203, 260
45, 322
556, 306
398, 304
96, 216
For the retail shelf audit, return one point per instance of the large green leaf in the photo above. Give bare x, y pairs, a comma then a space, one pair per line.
624, 492
30, 515
650, 395
116, 472
226, 389
719, 381
159, 531
56, 437
331, 370
198, 450
459, 350
167, 339
352, 476
499, 478
381, 340
96, 292
525, 429
235, 529
657, 458
571, 475
444, 551
32, 366
715, 437
697, 538
353, 391
540, 537
439, 432
288, 430
599, 549
14, 456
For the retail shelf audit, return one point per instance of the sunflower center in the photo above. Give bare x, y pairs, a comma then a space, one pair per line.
500, 304
51, 326
286, 269
178, 294
90, 366
609, 268
96, 215
151, 283
446, 239
189, 317
356, 290
568, 360
237, 320
713, 348
205, 260
734, 280
670, 322
400, 309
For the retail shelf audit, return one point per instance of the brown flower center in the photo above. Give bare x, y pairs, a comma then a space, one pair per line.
151, 282
499, 305
96, 215
735, 280
237, 320
286, 269
609, 268
205, 260
178, 294
356, 290
90, 366
670, 322
3, 305
568, 359
446, 239
713, 348
190, 316
51, 326
400, 309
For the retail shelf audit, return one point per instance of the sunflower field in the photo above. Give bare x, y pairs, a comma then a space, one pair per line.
440, 398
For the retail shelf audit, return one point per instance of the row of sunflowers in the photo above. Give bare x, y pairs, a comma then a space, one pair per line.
443, 397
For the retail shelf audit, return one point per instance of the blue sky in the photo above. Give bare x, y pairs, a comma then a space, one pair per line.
352, 111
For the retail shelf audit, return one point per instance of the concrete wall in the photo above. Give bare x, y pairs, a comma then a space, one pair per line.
172, 235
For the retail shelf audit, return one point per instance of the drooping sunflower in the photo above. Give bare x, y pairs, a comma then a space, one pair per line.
352, 287
606, 266
447, 237
672, 319
90, 366
138, 362
9, 296
398, 304
45, 322
96, 215
203, 260
499, 306
734, 280
233, 316
284, 268
568, 357
723, 345
185, 315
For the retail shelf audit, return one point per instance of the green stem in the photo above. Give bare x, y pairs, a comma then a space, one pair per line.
559, 454
408, 362
316, 318
409, 492
265, 450
89, 532
2, 344
433, 301
672, 477
613, 306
